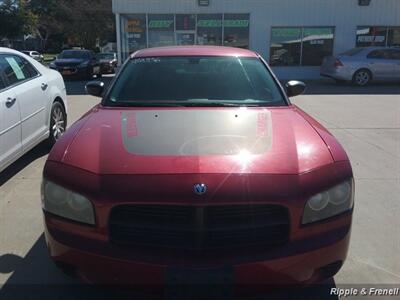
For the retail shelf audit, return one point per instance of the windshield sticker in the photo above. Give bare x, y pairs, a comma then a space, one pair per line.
146, 60
16, 68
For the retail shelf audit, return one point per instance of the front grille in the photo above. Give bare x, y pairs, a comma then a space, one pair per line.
197, 228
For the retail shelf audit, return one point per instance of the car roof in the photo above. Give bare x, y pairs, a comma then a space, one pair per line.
193, 51
9, 50
77, 50
371, 48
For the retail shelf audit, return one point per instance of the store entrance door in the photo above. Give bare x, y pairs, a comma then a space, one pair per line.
185, 38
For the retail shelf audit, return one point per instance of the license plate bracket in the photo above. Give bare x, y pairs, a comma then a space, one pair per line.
217, 283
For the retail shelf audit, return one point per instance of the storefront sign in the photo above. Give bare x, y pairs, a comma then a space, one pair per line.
236, 23
134, 26
160, 24
227, 23
286, 32
204, 2
371, 39
209, 23
317, 42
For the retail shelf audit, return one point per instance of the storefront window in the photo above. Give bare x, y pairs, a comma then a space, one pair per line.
185, 22
305, 46
133, 34
394, 37
209, 29
236, 30
185, 29
285, 47
371, 36
140, 31
161, 30
317, 43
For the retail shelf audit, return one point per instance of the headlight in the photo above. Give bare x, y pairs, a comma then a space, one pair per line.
330, 203
65, 203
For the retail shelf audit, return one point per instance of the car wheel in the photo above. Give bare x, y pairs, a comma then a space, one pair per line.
362, 77
58, 123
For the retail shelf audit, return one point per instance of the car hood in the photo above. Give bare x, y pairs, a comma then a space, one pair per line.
69, 61
193, 141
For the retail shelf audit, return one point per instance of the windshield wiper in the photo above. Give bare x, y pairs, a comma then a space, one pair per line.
143, 104
222, 103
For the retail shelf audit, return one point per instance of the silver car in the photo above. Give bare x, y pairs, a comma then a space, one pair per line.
362, 65
35, 55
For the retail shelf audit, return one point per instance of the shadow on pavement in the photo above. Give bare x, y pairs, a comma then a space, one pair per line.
39, 151
77, 87
330, 87
36, 277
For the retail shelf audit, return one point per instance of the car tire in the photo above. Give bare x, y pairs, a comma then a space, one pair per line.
58, 123
362, 77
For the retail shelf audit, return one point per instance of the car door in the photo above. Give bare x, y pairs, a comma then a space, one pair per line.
31, 96
10, 121
395, 55
381, 64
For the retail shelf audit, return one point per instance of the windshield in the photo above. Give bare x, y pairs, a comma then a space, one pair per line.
74, 54
109, 56
195, 81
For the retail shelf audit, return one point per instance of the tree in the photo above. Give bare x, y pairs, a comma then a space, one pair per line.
15, 19
82, 22
50, 18
90, 21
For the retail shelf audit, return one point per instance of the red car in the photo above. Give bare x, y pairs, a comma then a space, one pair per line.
196, 168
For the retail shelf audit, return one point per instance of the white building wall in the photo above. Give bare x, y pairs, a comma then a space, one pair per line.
344, 15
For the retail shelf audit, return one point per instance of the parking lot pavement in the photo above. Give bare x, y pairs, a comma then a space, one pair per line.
368, 125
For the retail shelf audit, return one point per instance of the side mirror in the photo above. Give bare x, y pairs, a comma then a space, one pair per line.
295, 88
95, 88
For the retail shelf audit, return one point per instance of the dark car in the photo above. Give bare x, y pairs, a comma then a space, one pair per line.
108, 62
79, 63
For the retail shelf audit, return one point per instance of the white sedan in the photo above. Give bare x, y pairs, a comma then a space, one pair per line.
33, 105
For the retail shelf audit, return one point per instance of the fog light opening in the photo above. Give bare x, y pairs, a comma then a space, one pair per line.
67, 269
330, 270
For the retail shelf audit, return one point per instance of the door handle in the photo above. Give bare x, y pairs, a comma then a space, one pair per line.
44, 86
10, 101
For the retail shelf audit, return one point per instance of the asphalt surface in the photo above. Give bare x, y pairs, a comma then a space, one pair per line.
365, 120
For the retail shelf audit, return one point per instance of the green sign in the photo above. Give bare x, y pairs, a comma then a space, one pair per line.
286, 32
236, 23
227, 23
209, 23
160, 24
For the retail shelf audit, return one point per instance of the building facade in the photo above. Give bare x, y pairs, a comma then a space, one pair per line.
292, 35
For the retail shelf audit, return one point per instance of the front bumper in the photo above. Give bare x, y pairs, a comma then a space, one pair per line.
72, 71
107, 68
80, 250
311, 253
339, 74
